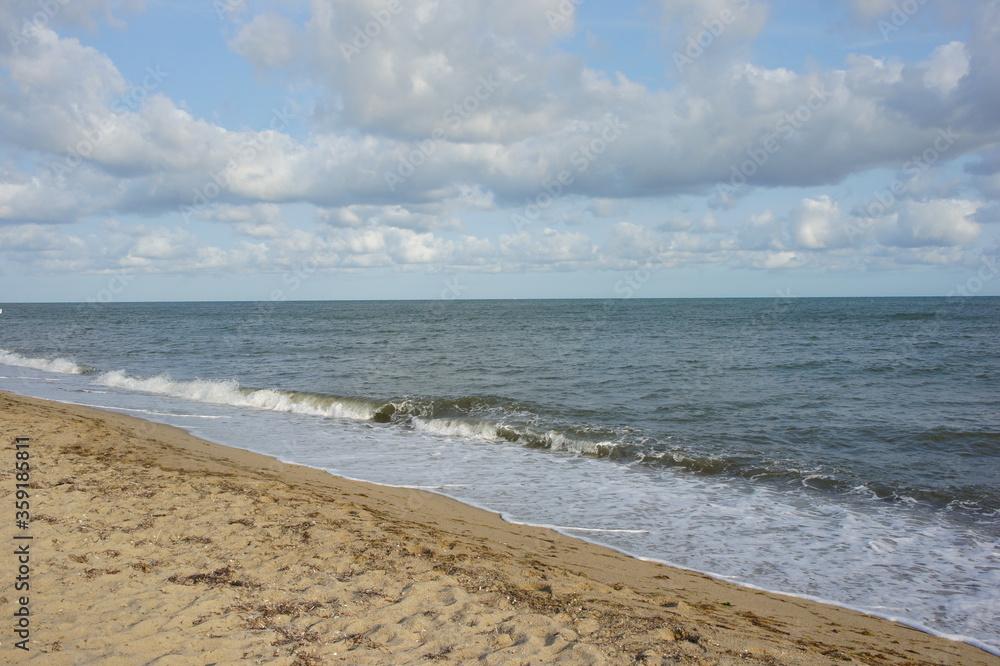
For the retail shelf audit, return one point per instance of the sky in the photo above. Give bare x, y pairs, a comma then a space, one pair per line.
425, 149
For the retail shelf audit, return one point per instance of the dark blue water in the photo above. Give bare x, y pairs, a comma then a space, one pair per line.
883, 409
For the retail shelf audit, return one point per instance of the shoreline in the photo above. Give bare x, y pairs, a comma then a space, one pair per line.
285, 563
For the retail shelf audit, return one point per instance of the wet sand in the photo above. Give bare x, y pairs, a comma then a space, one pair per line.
149, 545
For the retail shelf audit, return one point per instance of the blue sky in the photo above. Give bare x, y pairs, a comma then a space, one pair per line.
522, 149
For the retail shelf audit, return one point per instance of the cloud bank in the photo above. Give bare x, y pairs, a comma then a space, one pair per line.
478, 136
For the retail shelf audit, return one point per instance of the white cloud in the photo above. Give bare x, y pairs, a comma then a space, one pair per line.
634, 242
608, 208
774, 260
703, 34
945, 222
269, 40
389, 246
760, 232
256, 221
948, 65
36, 238
549, 249
481, 106
401, 217
708, 222
823, 125
62, 88
818, 224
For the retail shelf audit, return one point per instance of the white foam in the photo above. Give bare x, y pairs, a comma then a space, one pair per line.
595, 530
913, 624
229, 392
560, 442
60, 365
458, 428
150, 412
489, 431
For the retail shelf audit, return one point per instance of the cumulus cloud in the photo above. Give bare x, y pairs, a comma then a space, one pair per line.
31, 238
257, 221
430, 65
709, 34
428, 127
404, 88
633, 242
946, 222
269, 40
448, 110
947, 67
139, 249
550, 249
819, 227
818, 224
389, 216
762, 231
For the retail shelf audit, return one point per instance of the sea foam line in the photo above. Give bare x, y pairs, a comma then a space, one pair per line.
229, 392
146, 411
596, 529
60, 365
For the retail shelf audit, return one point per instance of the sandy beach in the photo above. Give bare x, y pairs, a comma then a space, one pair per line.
148, 545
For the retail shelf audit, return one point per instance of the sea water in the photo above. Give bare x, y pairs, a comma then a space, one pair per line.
842, 449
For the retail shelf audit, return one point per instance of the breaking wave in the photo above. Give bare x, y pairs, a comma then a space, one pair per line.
502, 420
60, 365
229, 392
471, 417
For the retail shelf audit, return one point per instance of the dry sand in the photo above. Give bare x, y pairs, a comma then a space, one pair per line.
152, 546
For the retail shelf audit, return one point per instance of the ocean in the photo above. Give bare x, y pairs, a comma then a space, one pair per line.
845, 450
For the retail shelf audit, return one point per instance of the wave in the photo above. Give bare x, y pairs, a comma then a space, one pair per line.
982, 502
229, 392
503, 420
534, 438
60, 365
451, 417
